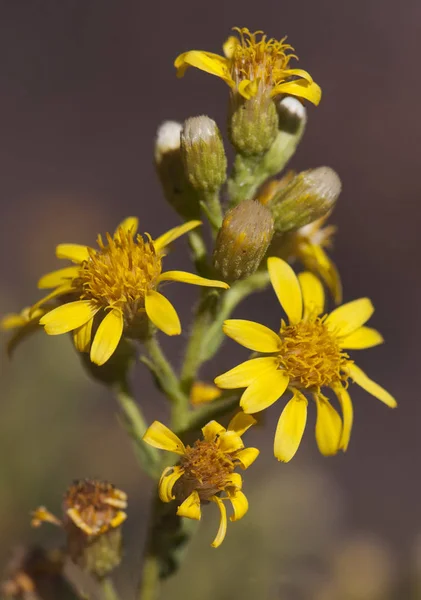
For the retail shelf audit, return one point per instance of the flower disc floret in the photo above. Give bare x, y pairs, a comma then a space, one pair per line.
208, 466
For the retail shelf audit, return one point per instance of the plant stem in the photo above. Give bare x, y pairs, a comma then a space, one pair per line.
150, 584
108, 590
200, 255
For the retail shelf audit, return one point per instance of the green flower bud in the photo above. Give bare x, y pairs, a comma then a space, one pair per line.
253, 124
309, 196
178, 190
243, 239
203, 154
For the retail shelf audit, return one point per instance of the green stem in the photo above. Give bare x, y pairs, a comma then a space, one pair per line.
108, 590
167, 380
136, 425
211, 206
209, 412
150, 584
200, 255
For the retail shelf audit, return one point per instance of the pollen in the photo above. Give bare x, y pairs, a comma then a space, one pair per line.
121, 272
259, 59
311, 355
207, 465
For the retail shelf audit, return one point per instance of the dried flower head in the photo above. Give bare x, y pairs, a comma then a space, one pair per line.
206, 469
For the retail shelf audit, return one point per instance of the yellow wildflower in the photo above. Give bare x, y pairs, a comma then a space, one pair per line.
306, 356
117, 281
206, 469
22, 324
203, 393
253, 65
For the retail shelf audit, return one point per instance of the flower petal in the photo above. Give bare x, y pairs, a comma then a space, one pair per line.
300, 88
75, 252
56, 278
316, 259
205, 61
371, 386
244, 374
171, 235
291, 426
203, 393
190, 508
220, 536
350, 316
212, 430
241, 422
13, 320
246, 457
230, 45
169, 477
328, 427
264, 392
82, 336
107, 337
185, 277
363, 337
230, 441
251, 335
287, 288
162, 313
234, 482
68, 317
347, 414
130, 224
159, 436
313, 295
239, 503
299, 73
66, 288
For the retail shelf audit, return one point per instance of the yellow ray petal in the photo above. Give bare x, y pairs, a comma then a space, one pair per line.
171, 235
56, 278
287, 288
244, 374
313, 294
241, 422
299, 73
371, 386
162, 313
251, 335
347, 415
169, 477
74, 252
60, 291
82, 336
300, 88
246, 457
205, 61
328, 427
202, 393
220, 536
190, 508
290, 429
27, 326
13, 320
159, 436
234, 482
212, 430
130, 224
239, 503
230, 45
230, 441
185, 277
264, 392
350, 316
107, 337
363, 337
68, 317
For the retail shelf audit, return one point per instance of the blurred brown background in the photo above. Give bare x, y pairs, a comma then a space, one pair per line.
83, 86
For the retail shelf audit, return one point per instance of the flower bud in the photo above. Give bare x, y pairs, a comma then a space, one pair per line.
243, 239
178, 191
203, 153
309, 196
253, 124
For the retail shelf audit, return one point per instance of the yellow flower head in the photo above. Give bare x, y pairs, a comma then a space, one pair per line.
206, 469
118, 281
253, 65
306, 356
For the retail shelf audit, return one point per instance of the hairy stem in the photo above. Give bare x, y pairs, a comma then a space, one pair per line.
150, 584
108, 590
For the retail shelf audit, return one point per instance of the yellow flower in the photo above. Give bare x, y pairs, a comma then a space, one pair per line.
118, 281
22, 324
206, 469
306, 356
203, 393
252, 66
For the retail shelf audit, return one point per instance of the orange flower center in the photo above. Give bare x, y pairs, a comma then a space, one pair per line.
206, 468
311, 355
121, 272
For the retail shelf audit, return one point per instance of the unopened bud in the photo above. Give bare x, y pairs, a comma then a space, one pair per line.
309, 196
203, 153
243, 239
253, 124
178, 190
